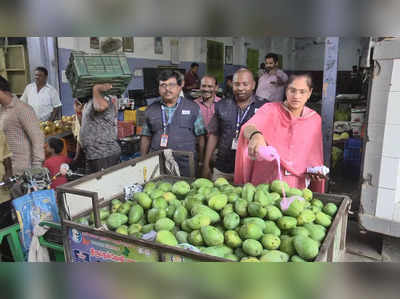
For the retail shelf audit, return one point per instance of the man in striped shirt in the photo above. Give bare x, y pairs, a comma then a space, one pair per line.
21, 127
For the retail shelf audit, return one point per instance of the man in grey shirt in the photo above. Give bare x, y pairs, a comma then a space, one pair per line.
98, 134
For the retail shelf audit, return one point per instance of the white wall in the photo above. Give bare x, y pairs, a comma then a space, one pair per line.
310, 56
190, 48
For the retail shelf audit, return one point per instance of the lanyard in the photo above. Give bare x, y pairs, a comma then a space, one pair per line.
239, 120
166, 123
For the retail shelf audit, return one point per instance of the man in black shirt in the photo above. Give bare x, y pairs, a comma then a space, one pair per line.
230, 115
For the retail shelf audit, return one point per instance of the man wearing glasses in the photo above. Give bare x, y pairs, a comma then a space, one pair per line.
174, 122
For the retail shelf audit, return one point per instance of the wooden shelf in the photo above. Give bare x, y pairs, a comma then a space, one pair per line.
15, 70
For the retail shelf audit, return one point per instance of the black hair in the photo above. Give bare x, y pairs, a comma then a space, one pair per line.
56, 144
211, 76
4, 85
194, 64
308, 77
262, 65
230, 77
168, 74
43, 70
273, 56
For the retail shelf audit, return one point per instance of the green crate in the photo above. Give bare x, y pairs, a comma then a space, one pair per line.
84, 70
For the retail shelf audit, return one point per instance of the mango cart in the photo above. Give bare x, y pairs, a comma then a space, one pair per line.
84, 243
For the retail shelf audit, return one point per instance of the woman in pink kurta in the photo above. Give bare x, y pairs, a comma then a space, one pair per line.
293, 129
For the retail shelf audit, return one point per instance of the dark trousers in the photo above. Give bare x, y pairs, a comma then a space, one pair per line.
103, 163
6, 219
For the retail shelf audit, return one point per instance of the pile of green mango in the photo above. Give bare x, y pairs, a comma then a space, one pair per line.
243, 224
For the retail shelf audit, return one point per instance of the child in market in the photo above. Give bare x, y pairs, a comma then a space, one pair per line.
53, 163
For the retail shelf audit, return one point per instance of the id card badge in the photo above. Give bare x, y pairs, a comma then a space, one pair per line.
234, 144
164, 140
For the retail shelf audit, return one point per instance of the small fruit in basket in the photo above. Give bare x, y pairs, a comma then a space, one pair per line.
143, 199
323, 219
202, 209
195, 238
182, 236
270, 241
250, 231
160, 203
278, 185
166, 237
147, 228
164, 224
181, 188
154, 214
287, 222
307, 194
287, 245
134, 229
276, 256
123, 230
248, 192
306, 247
116, 220
198, 221
180, 215
212, 236
271, 228
136, 212
124, 208
252, 247
330, 209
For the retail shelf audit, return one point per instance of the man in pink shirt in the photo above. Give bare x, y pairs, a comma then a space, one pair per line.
208, 87
271, 85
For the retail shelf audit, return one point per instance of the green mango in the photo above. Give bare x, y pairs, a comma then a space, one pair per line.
227, 210
294, 192
156, 194
231, 257
124, 208
181, 188
166, 237
315, 209
204, 190
149, 187
116, 220
202, 209
248, 192
159, 203
241, 207
219, 182
164, 224
255, 209
250, 231
123, 230
143, 199
263, 198
198, 221
317, 203
306, 216
154, 214
238, 190
115, 207
182, 237
195, 238
212, 236
317, 232
239, 252
330, 209
214, 191
232, 239
104, 214
116, 202
219, 251
147, 228
252, 247
297, 259
231, 221
307, 194
275, 256
192, 201
295, 208
273, 213
287, 245
164, 186
271, 228
275, 197
287, 222
306, 247
227, 189
249, 259
270, 242
255, 220
201, 182
277, 187
323, 219
233, 197
180, 215
307, 205
299, 231
185, 226
175, 202
171, 211
263, 187
218, 202
135, 213
169, 197
134, 229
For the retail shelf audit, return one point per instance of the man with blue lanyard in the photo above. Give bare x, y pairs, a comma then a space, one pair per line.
174, 122
224, 128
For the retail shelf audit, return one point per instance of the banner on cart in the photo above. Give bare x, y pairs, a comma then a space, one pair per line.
87, 247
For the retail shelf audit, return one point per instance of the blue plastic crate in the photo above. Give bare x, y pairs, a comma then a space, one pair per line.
352, 154
353, 143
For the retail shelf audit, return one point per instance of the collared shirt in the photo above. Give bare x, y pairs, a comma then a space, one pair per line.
191, 79
25, 139
271, 91
4, 154
43, 102
223, 125
199, 128
207, 111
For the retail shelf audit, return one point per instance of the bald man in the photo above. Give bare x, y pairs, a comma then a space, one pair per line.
224, 127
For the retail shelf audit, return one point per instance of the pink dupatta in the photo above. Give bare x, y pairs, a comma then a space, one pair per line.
298, 142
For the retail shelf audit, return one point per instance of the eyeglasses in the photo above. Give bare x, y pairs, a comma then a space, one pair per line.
294, 91
169, 85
